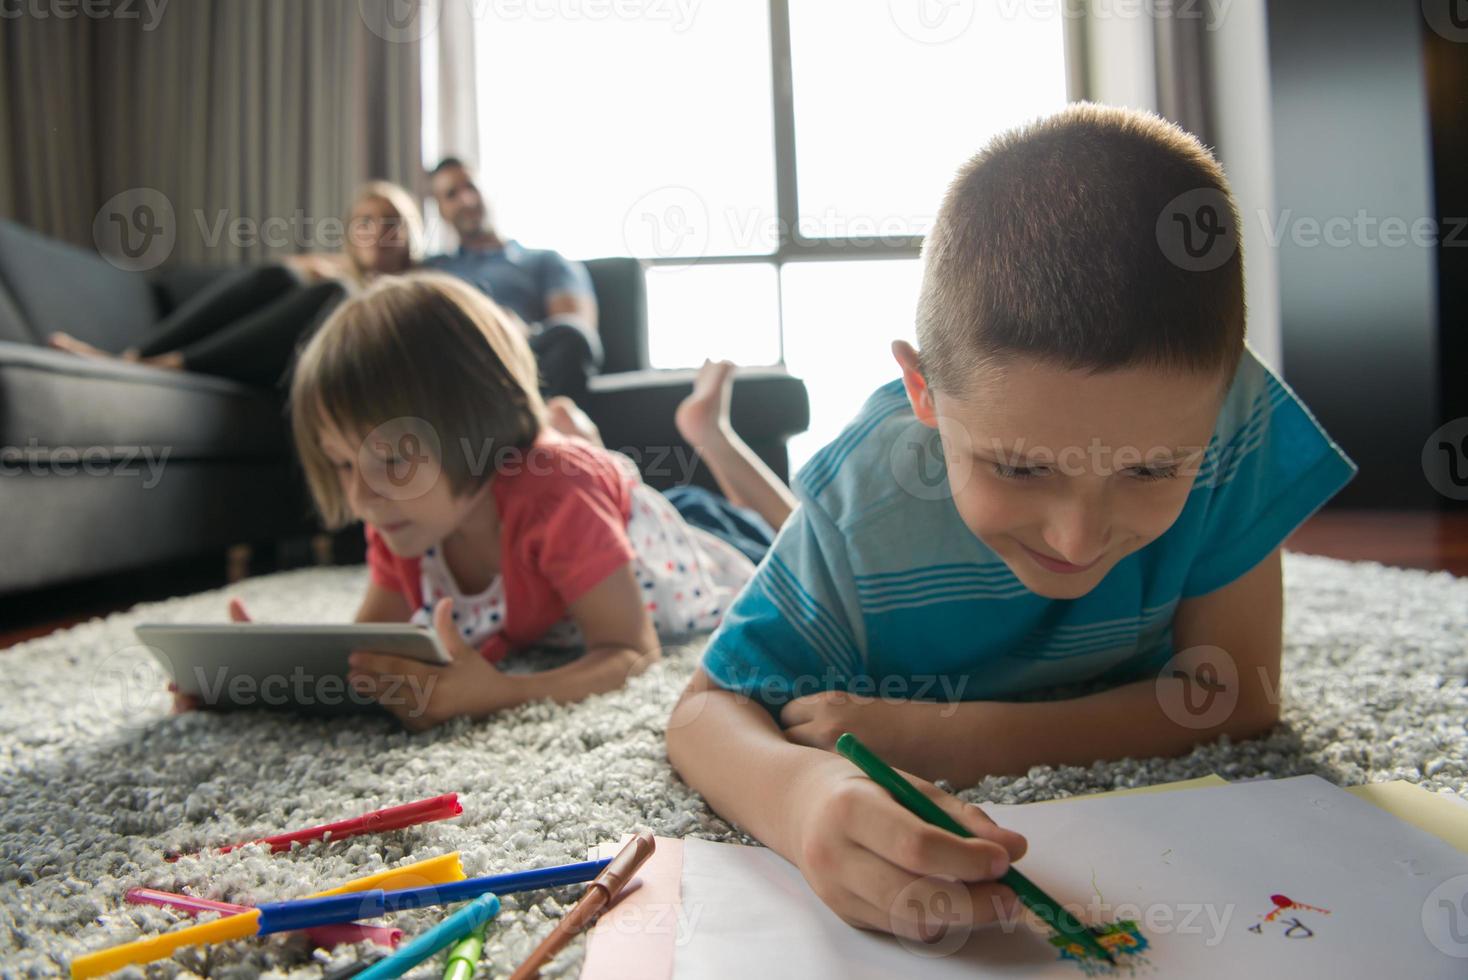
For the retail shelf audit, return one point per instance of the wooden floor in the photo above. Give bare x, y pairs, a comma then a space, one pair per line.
1411, 539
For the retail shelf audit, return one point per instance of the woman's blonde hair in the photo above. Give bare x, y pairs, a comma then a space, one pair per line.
424, 353
400, 201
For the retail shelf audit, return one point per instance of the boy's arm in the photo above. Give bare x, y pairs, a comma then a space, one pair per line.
872, 862
1224, 681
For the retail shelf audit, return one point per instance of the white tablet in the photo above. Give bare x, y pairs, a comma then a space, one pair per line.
274, 665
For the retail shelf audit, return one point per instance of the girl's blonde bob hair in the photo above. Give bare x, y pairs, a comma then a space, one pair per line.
424, 349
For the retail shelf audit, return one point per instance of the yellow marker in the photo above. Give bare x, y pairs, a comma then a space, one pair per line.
98, 964
434, 871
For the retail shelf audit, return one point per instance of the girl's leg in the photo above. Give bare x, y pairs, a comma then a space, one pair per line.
228, 300
703, 419
258, 349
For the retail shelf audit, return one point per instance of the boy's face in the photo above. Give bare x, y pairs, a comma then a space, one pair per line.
391, 481
1062, 474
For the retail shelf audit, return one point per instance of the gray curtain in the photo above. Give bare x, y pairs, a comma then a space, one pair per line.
47, 148
253, 119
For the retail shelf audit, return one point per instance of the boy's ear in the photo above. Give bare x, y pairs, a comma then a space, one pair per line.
918, 392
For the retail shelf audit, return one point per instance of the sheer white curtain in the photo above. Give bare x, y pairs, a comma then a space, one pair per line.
450, 101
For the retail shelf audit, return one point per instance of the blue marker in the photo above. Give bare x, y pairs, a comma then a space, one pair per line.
304, 913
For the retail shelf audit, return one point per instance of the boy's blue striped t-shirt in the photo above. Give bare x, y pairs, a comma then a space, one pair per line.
875, 585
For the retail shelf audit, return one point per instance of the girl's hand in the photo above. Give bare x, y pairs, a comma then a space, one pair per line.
190, 702
879, 866
423, 695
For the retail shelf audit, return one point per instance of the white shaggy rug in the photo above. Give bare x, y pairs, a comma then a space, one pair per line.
98, 781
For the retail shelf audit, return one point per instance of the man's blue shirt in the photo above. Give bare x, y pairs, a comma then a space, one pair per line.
516, 277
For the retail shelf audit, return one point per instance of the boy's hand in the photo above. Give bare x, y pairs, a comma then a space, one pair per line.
424, 695
895, 730
190, 702
879, 866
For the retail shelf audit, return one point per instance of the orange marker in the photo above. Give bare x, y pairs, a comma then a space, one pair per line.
599, 895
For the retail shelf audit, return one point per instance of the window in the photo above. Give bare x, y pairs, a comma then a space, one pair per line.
669, 155
778, 220
858, 308
891, 97
722, 312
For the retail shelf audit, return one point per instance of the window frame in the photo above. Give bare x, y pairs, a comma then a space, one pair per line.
792, 244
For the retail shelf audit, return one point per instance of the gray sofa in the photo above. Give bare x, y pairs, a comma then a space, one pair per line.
107, 466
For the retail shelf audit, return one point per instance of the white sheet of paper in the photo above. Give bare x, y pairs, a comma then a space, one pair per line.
1196, 869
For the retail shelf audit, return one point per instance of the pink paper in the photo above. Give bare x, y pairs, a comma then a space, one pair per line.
634, 940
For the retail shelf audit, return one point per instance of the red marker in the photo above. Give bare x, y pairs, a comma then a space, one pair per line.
377, 822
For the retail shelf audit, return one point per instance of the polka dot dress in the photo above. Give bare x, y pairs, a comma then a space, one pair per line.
687, 577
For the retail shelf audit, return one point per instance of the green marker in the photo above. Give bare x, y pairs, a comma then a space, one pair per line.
464, 956
1047, 908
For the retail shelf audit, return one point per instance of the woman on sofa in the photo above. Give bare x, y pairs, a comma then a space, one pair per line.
246, 326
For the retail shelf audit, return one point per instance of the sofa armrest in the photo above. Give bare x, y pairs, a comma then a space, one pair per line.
634, 410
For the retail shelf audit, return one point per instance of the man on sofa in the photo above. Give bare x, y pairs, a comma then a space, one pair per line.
551, 294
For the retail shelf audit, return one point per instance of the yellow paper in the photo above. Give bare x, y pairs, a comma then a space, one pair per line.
1438, 815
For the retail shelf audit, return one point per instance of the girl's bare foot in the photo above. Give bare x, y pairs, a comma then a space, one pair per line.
703, 417
566, 417
73, 345
171, 360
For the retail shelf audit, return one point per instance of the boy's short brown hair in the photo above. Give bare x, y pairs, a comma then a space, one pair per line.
424, 349
1055, 243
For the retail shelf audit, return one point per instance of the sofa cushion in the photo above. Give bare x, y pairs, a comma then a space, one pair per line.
60, 287
12, 325
50, 399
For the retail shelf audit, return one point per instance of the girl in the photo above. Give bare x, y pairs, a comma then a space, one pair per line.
415, 408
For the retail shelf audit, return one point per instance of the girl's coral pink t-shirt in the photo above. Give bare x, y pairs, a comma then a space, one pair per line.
563, 507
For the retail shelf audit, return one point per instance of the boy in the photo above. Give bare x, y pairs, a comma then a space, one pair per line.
1082, 472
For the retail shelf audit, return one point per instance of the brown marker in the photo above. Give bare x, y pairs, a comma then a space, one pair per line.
600, 894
